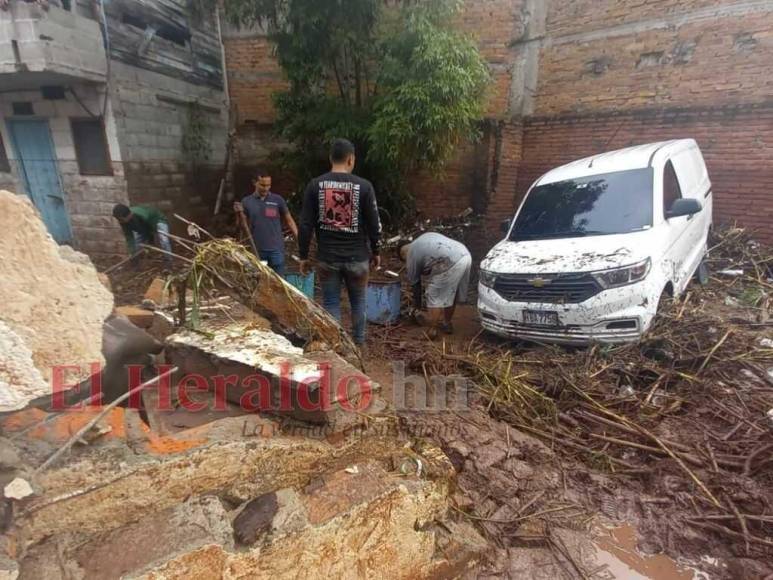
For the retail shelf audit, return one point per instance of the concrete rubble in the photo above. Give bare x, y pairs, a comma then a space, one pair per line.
53, 306
234, 498
167, 492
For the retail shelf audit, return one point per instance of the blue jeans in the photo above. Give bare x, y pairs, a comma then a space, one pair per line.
275, 259
162, 239
355, 276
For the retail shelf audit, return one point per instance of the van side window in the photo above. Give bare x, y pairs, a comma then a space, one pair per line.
671, 189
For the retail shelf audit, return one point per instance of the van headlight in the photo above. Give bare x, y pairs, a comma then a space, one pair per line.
487, 279
623, 276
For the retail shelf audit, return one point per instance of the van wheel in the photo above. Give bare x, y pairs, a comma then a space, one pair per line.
702, 273
665, 302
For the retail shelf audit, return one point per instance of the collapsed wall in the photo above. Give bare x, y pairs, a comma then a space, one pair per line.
188, 482
235, 498
53, 306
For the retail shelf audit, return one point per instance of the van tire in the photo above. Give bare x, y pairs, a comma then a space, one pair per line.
702, 274
666, 298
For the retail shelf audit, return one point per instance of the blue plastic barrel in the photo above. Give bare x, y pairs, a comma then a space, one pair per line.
383, 302
303, 283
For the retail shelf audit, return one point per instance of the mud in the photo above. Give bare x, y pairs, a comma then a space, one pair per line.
622, 526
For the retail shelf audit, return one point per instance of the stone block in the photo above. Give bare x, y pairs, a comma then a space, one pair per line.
267, 373
158, 538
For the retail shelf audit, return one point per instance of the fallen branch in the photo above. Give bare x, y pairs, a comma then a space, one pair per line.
727, 531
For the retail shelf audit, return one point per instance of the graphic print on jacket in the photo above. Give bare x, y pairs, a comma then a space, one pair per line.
339, 206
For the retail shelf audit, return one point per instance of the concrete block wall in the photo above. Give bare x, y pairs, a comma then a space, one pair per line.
88, 199
151, 114
52, 40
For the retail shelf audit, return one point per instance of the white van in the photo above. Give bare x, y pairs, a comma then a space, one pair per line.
597, 243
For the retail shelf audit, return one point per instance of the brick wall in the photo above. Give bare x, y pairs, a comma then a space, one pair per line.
253, 75
567, 76
704, 62
737, 144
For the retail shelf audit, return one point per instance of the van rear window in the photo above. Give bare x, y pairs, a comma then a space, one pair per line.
604, 204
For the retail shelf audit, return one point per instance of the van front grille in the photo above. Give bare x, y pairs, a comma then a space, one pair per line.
547, 289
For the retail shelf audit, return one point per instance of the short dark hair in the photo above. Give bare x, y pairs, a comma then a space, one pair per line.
341, 150
121, 211
258, 173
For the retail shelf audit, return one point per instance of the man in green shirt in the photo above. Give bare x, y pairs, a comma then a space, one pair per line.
144, 225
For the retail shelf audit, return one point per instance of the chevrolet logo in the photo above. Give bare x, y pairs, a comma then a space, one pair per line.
539, 282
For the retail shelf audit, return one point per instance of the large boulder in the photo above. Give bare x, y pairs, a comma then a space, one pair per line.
53, 307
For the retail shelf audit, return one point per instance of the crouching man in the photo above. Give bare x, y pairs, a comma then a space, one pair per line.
144, 225
446, 263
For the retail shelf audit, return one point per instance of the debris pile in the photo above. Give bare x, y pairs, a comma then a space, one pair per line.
53, 307
229, 266
185, 479
684, 415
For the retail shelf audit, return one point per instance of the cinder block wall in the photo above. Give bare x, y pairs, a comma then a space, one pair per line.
89, 199
150, 131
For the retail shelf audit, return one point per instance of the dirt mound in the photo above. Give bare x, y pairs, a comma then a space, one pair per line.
53, 306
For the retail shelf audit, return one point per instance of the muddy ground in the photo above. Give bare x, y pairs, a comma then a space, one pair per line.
553, 509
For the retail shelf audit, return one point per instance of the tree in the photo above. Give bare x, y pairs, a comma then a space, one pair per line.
399, 81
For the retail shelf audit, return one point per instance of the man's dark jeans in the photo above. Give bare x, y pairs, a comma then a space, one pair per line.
355, 276
275, 259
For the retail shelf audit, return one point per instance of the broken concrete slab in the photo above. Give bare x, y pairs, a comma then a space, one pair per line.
369, 524
372, 523
237, 272
262, 371
117, 481
307, 507
50, 324
156, 539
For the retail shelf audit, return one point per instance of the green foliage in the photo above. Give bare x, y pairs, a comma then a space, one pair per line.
398, 81
431, 93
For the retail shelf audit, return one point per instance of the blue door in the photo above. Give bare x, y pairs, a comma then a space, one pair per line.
37, 166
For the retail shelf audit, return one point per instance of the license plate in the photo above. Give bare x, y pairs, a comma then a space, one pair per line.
540, 318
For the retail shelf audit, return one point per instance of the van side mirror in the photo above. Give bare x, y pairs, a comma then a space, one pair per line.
684, 206
505, 225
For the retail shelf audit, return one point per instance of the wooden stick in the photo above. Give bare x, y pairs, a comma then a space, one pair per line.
741, 521
247, 232
123, 262
692, 459
160, 251
190, 223
713, 350
747, 467
729, 532
96, 419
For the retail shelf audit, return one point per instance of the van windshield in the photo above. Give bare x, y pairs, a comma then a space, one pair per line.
608, 203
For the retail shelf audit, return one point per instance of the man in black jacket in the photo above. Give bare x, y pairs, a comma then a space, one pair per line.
341, 209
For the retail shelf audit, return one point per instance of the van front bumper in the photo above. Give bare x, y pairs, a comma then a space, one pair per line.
617, 315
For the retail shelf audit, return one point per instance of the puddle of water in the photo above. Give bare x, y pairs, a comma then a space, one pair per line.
616, 549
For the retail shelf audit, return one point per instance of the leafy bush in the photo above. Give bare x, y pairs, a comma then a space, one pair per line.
400, 82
